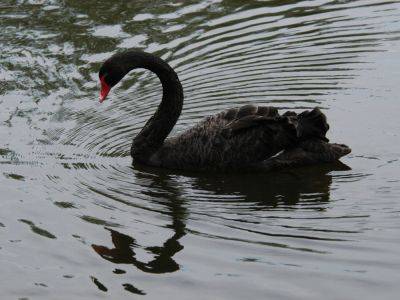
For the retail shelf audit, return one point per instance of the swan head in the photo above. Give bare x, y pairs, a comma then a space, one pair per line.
110, 74
120, 64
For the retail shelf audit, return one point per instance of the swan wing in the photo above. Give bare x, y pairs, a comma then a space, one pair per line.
246, 119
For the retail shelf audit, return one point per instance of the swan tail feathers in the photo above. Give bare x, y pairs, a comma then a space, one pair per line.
312, 124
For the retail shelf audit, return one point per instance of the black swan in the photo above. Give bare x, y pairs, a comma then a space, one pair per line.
248, 137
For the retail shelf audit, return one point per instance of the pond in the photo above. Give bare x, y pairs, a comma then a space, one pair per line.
77, 221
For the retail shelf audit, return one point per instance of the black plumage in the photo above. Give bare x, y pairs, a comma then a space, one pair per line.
247, 137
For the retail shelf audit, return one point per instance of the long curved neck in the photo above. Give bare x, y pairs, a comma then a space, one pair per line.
157, 128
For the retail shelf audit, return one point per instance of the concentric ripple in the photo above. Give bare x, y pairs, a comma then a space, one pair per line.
77, 219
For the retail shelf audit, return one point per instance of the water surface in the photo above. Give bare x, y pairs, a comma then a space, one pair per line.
77, 221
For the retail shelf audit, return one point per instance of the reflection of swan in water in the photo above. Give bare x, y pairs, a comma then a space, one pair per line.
266, 191
163, 261
270, 189
285, 186
238, 138
123, 253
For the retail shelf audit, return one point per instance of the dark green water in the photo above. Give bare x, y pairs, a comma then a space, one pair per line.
78, 222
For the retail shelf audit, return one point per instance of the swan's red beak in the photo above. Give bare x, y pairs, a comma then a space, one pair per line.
105, 89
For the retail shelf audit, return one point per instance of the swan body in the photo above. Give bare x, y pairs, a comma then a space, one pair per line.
248, 137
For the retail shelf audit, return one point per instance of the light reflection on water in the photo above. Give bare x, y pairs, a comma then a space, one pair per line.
77, 219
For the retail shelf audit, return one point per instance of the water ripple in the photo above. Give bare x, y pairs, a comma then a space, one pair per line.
65, 158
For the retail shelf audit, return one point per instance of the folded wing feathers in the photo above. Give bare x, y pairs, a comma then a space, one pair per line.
250, 116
